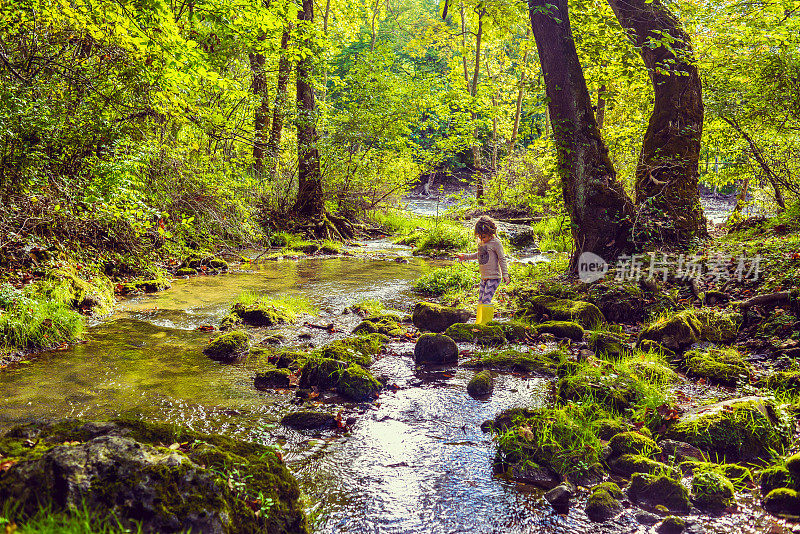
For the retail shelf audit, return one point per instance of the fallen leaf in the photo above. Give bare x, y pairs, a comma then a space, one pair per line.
4, 466
175, 446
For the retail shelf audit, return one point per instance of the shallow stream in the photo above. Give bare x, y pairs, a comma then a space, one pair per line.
414, 461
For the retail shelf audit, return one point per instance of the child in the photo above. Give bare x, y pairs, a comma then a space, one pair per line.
492, 265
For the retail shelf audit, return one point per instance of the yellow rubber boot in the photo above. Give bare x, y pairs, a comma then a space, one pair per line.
486, 314
479, 314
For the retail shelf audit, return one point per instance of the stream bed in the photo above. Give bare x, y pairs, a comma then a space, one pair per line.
414, 461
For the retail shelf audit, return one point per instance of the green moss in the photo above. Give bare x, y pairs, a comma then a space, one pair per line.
514, 332
718, 326
252, 473
606, 343
782, 501
723, 366
741, 477
218, 264
308, 419
782, 381
634, 443
610, 390
228, 346
185, 271
357, 384
358, 349
387, 325
231, 320
659, 490
481, 384
776, 476
608, 428
603, 503
627, 464
514, 360
675, 332
648, 345
671, 525
583, 313
793, 465
272, 378
738, 429
486, 335
565, 329
321, 372
711, 490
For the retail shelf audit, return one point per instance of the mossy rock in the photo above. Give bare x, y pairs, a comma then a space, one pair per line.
653, 371
659, 490
272, 379
566, 329
260, 315
357, 384
431, 317
736, 429
218, 264
308, 420
633, 443
793, 465
719, 365
671, 525
185, 271
91, 297
712, 491
230, 321
741, 477
485, 335
358, 349
515, 360
615, 391
435, 349
676, 333
322, 373
514, 332
782, 381
604, 502
481, 384
782, 502
774, 477
147, 286
122, 467
584, 313
330, 248
606, 343
718, 326
628, 464
228, 347
608, 428
388, 325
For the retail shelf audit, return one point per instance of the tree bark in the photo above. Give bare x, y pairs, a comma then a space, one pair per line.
601, 106
520, 94
261, 115
279, 111
309, 202
600, 211
667, 172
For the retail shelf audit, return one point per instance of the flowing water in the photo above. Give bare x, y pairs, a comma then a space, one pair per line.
414, 461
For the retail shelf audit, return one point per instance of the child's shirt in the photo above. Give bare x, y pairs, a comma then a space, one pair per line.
491, 260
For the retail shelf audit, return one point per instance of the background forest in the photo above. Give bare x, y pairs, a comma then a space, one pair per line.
134, 122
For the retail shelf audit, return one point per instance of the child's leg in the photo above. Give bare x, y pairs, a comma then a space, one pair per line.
488, 289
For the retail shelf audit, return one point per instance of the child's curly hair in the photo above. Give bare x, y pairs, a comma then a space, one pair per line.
485, 226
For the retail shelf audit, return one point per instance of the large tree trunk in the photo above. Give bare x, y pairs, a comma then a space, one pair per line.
309, 202
667, 172
600, 211
261, 115
279, 111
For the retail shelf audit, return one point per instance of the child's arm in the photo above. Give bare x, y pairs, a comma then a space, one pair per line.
501, 259
463, 257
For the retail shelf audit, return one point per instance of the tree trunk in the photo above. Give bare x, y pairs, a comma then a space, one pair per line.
279, 111
476, 147
600, 211
667, 172
601, 106
261, 115
309, 202
520, 94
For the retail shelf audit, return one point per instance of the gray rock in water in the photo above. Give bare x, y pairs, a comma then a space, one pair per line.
538, 476
647, 518
306, 419
430, 317
559, 497
436, 349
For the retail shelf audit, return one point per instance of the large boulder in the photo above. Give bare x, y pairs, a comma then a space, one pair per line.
436, 349
545, 307
737, 429
712, 491
357, 384
123, 469
676, 333
322, 373
481, 384
430, 317
604, 502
